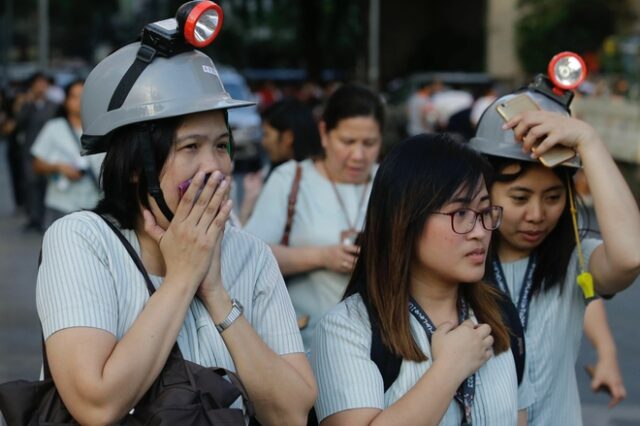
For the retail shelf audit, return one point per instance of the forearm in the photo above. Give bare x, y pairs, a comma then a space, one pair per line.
106, 392
618, 218
281, 393
596, 328
415, 408
296, 260
522, 418
42, 167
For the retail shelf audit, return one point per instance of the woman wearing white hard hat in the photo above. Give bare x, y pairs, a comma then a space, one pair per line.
158, 110
539, 258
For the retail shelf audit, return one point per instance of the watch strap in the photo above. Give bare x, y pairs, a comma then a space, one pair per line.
234, 314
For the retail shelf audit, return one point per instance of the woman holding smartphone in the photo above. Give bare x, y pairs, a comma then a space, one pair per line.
538, 257
419, 279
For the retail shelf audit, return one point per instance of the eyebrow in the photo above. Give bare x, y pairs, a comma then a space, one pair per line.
530, 191
467, 200
200, 136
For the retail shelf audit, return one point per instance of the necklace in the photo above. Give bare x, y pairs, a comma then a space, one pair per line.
348, 236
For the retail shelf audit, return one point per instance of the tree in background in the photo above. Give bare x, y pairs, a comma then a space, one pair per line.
548, 27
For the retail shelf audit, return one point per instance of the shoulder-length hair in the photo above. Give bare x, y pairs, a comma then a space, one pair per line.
554, 253
419, 176
123, 180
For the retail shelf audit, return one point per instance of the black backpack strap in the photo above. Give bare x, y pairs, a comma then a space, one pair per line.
516, 333
132, 253
387, 362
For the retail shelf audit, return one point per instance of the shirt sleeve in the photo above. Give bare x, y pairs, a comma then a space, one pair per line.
42, 148
340, 356
75, 286
273, 316
270, 213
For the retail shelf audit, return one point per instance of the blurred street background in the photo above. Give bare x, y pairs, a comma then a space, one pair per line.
466, 52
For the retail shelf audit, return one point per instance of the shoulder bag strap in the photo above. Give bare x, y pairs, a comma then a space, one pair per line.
511, 319
387, 362
291, 205
132, 253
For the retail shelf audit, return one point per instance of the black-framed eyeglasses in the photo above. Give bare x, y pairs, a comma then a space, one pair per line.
464, 220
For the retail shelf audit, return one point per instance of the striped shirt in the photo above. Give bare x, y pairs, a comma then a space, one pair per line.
348, 378
553, 337
87, 279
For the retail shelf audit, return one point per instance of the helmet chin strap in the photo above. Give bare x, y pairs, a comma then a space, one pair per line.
151, 172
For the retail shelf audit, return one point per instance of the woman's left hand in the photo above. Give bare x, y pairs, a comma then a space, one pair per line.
607, 375
212, 283
540, 130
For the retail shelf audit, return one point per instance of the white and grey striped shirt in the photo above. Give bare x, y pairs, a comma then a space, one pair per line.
348, 378
553, 338
87, 279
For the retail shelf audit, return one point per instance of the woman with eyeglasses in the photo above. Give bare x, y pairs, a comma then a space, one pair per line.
418, 279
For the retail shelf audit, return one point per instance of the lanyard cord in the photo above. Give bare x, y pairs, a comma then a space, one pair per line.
341, 202
574, 219
584, 279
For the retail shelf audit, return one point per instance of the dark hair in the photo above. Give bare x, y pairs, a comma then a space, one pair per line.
419, 176
37, 75
554, 253
353, 100
62, 109
291, 114
122, 177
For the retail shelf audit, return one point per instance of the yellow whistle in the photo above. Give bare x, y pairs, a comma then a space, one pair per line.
585, 281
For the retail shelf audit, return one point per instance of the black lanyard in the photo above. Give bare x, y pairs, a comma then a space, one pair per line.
525, 290
467, 389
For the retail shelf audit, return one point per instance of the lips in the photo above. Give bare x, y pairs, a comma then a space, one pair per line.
477, 255
532, 236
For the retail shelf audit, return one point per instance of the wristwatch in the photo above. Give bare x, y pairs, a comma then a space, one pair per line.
234, 314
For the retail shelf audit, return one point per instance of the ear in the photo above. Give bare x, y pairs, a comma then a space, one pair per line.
286, 139
322, 127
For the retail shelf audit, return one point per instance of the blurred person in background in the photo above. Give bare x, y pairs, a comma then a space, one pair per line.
33, 109
419, 107
73, 180
289, 132
311, 212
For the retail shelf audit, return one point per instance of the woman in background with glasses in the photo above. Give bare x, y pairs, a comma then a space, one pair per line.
419, 278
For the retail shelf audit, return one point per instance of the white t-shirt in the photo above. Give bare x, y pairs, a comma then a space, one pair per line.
87, 279
553, 335
348, 378
56, 144
317, 221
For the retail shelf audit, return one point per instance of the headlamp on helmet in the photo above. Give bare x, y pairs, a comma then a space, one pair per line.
197, 24
566, 71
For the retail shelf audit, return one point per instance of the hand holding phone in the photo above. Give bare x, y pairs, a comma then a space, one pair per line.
523, 103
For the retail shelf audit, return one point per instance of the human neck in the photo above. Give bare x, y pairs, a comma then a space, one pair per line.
508, 253
75, 121
438, 299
